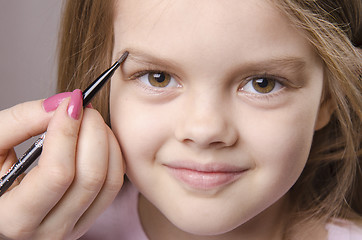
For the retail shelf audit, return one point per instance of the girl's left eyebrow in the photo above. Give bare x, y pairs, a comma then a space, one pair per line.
285, 63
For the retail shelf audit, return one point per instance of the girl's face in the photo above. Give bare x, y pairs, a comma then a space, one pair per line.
215, 108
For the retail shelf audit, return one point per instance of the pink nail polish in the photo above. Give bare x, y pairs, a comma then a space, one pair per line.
76, 104
90, 106
51, 103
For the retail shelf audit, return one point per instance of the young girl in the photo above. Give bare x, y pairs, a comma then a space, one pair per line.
235, 120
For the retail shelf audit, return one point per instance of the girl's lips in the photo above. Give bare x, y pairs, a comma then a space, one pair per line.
205, 177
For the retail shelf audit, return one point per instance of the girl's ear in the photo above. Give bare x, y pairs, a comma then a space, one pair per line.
324, 115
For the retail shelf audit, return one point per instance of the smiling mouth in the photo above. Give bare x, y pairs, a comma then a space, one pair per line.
205, 178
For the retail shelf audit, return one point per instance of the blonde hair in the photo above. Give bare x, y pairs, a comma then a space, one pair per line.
331, 183
85, 47
332, 176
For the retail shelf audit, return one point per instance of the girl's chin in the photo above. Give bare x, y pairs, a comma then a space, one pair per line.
205, 225
205, 229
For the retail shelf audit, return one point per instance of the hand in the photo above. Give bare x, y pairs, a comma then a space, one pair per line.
78, 175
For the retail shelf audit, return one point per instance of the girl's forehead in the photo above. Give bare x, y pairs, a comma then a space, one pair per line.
189, 15
254, 28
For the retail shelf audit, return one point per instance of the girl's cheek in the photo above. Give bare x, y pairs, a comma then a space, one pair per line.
280, 138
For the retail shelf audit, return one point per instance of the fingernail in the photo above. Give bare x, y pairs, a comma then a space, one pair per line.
90, 106
76, 104
51, 103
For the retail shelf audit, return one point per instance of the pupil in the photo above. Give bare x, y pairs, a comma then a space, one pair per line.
263, 83
159, 77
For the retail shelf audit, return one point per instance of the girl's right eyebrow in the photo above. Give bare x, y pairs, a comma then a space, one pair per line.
149, 59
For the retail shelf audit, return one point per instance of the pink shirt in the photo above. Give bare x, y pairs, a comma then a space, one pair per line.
343, 230
121, 221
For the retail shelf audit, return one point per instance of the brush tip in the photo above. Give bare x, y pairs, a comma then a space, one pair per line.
123, 57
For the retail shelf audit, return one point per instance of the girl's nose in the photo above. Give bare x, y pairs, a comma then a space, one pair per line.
206, 123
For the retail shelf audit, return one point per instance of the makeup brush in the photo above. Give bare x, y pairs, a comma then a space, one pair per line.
35, 150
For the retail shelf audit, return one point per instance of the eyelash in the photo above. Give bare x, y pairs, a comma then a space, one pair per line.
280, 81
154, 90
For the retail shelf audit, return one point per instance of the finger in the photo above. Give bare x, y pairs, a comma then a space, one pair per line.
91, 170
21, 122
110, 189
44, 185
6, 161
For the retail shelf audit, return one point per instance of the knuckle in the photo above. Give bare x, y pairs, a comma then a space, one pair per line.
69, 132
114, 184
93, 119
62, 132
61, 179
18, 231
16, 113
18, 116
92, 181
58, 233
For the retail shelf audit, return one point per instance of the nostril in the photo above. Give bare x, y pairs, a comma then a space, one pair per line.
221, 144
208, 144
217, 144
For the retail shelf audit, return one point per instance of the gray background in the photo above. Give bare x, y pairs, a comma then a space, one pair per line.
28, 42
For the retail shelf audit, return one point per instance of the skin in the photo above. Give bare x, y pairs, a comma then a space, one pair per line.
70, 187
206, 116
211, 115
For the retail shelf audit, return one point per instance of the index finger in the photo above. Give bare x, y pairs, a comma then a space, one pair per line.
21, 122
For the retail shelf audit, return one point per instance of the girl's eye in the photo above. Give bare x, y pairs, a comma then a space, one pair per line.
262, 85
158, 79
